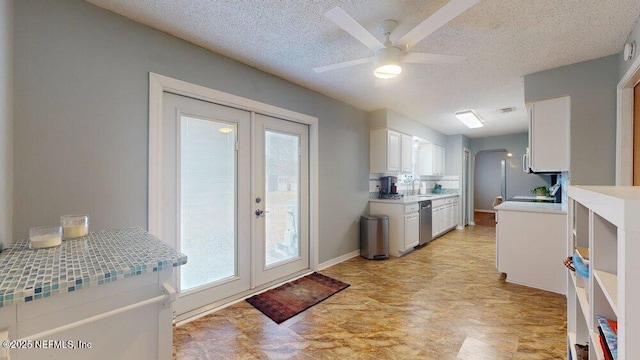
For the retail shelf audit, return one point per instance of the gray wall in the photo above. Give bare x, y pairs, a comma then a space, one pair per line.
390, 119
488, 179
81, 128
6, 123
412, 127
592, 86
518, 182
634, 36
455, 144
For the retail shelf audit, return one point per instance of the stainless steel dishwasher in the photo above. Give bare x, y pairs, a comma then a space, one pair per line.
426, 222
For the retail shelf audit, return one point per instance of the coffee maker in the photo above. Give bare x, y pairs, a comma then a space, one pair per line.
388, 185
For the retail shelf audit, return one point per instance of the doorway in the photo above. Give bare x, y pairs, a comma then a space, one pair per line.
489, 179
636, 135
627, 115
231, 187
210, 169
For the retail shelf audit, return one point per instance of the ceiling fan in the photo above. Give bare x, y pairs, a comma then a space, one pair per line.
388, 57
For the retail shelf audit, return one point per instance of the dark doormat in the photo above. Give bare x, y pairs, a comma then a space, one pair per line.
294, 297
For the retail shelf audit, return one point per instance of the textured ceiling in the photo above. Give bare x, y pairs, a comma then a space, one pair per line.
502, 40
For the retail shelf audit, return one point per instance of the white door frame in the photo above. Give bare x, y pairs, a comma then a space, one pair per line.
624, 124
466, 188
158, 84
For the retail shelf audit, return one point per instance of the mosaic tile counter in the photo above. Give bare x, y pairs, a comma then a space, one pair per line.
96, 259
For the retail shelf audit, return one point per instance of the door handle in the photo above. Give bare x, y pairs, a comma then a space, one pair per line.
260, 213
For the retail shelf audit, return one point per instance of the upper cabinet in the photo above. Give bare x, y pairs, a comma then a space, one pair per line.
407, 154
549, 135
431, 160
390, 151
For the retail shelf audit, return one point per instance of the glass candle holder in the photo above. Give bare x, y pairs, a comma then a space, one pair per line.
74, 226
44, 237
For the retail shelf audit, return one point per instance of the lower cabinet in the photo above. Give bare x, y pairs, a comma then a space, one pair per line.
404, 225
530, 248
444, 215
140, 333
411, 230
437, 219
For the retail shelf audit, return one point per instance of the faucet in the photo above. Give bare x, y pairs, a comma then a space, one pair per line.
413, 183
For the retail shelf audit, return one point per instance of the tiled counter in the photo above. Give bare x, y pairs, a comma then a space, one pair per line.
104, 271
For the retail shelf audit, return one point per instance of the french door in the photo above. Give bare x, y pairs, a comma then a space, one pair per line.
234, 198
280, 198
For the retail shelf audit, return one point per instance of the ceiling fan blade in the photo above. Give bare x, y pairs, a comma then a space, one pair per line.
348, 24
439, 18
424, 58
342, 64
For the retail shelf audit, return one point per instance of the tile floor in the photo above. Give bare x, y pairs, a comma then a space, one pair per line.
443, 301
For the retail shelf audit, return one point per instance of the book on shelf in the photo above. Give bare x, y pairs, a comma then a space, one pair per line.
604, 346
608, 336
584, 253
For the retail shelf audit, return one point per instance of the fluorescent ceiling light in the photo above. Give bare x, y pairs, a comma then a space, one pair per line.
387, 63
470, 118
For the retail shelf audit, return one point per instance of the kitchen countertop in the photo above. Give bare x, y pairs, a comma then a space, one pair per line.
412, 199
93, 260
555, 208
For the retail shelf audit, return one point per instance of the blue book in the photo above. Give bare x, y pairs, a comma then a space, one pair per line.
609, 336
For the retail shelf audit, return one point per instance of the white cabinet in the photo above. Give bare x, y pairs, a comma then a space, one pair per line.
411, 230
437, 221
390, 151
549, 134
455, 214
450, 216
406, 154
431, 159
394, 151
404, 225
530, 246
141, 333
604, 219
444, 215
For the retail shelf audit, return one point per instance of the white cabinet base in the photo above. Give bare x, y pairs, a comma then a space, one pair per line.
444, 215
142, 333
530, 248
404, 227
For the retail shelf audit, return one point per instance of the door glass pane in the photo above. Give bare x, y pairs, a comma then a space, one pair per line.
207, 201
282, 197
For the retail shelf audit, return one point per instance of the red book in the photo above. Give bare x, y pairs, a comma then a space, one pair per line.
604, 346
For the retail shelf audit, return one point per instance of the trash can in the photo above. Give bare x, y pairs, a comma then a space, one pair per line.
374, 237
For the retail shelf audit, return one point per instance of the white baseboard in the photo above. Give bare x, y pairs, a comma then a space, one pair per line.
485, 211
338, 260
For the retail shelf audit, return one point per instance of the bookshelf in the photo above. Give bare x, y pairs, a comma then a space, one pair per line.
606, 221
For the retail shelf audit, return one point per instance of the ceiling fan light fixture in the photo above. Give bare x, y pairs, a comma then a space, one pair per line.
387, 63
470, 118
